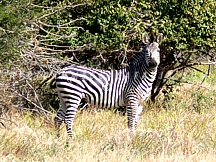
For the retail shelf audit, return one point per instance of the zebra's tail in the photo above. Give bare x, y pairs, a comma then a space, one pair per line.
52, 83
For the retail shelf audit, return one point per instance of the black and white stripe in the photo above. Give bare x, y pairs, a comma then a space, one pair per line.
128, 87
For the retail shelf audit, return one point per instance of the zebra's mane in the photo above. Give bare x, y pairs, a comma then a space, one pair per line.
139, 58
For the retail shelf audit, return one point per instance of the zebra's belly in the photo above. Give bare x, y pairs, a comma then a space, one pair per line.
106, 99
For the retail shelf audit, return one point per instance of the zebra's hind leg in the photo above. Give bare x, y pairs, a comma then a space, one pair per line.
59, 118
71, 109
69, 118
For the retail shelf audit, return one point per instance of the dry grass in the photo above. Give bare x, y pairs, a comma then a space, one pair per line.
179, 135
185, 131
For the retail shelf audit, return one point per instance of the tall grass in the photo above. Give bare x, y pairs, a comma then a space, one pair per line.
184, 131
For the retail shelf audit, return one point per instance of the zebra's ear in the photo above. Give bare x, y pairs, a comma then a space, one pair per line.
144, 39
160, 38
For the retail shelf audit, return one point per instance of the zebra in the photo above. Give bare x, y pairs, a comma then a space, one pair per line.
128, 86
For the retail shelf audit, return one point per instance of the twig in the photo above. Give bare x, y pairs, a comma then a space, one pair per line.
41, 108
2, 124
200, 84
44, 81
6, 31
57, 9
63, 26
7, 120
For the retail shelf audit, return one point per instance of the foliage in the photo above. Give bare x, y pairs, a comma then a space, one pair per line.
42, 36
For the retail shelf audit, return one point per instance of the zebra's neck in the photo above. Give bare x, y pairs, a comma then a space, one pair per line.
139, 67
141, 76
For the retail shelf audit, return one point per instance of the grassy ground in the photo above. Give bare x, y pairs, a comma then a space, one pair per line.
185, 131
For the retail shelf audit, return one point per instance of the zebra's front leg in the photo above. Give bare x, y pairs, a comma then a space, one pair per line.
133, 114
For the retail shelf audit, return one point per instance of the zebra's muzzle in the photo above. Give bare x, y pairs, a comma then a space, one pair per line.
152, 63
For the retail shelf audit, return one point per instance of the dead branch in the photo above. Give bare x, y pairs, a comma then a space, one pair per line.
57, 9
63, 26
5, 30
40, 108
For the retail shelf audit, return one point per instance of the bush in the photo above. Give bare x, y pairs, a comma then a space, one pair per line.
42, 36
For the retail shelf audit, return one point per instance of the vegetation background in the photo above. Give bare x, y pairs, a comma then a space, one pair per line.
38, 37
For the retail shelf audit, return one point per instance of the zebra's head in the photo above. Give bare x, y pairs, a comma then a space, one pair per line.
152, 50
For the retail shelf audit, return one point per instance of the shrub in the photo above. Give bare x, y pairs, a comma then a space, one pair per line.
42, 36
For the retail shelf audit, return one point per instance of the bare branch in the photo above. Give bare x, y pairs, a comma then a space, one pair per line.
57, 9
41, 108
63, 26
5, 30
